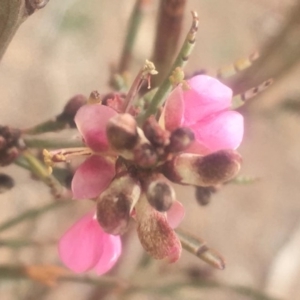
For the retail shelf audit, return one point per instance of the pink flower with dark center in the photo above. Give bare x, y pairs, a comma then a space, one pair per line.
205, 109
96, 172
86, 246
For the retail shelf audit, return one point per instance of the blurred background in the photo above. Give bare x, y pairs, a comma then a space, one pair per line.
69, 47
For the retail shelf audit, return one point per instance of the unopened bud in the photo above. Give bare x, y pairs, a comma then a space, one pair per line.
10, 145
180, 139
203, 194
6, 183
115, 204
122, 132
208, 170
154, 132
114, 101
145, 155
159, 192
71, 109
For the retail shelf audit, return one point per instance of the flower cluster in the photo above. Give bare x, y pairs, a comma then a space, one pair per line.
130, 170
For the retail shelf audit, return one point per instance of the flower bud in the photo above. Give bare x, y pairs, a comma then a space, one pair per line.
145, 155
212, 169
181, 138
71, 109
154, 132
203, 194
155, 233
115, 203
122, 132
10, 145
114, 101
159, 192
6, 183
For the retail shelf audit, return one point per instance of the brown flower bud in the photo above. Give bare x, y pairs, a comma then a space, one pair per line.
159, 192
155, 233
71, 109
115, 203
154, 132
6, 183
145, 155
122, 132
181, 138
203, 194
10, 145
212, 169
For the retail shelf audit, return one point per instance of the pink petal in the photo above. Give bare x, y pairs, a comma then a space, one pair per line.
112, 249
173, 110
92, 177
223, 130
175, 214
206, 96
82, 245
91, 120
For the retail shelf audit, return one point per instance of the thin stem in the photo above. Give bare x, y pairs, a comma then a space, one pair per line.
168, 31
41, 171
198, 247
134, 25
280, 55
31, 214
180, 62
144, 74
52, 143
47, 126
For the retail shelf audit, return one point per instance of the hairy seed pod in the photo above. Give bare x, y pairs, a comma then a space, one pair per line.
212, 169
115, 203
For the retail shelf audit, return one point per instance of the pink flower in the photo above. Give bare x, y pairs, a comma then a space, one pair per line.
96, 172
205, 109
86, 246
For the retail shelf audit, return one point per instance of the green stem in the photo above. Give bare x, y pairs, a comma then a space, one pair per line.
134, 25
41, 171
47, 126
51, 143
180, 62
12, 243
31, 214
199, 248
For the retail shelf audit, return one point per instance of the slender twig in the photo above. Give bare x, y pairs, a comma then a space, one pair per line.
180, 61
168, 31
12, 14
42, 172
133, 26
199, 248
279, 56
52, 142
47, 126
31, 214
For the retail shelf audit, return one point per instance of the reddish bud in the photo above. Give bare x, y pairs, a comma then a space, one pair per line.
71, 109
10, 145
